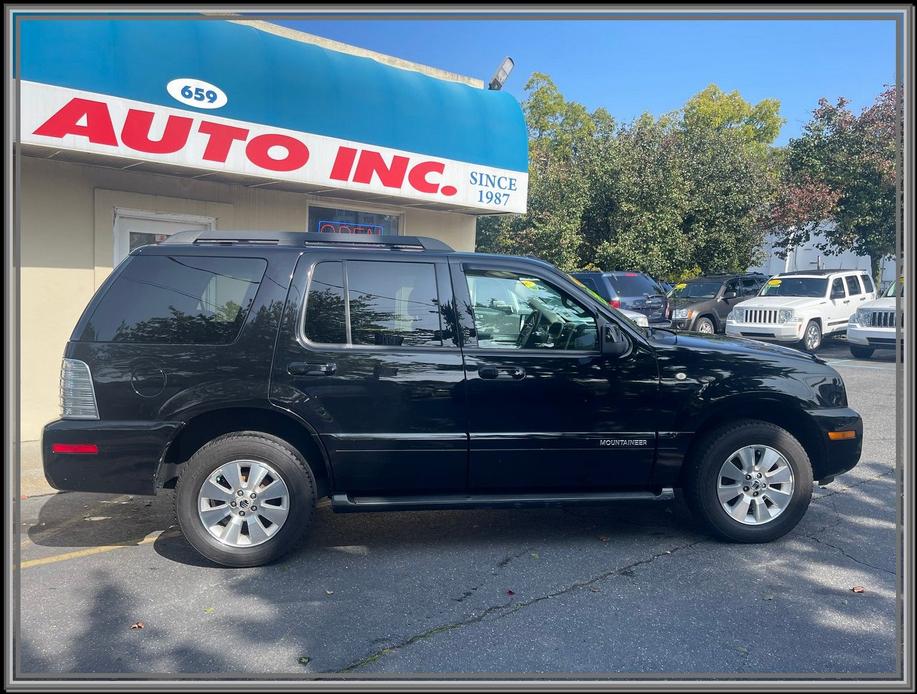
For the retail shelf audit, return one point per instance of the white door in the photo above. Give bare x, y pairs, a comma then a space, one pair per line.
135, 228
839, 306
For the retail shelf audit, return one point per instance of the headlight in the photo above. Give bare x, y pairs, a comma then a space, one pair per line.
736, 315
682, 313
642, 321
786, 315
861, 317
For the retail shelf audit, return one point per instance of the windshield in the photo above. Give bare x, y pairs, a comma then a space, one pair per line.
795, 286
892, 291
696, 290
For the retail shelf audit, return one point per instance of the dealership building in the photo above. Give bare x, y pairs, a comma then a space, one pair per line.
131, 130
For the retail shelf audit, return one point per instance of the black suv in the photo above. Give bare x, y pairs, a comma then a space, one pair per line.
702, 304
632, 291
258, 372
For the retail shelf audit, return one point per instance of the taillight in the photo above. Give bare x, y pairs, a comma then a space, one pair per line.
615, 303
75, 448
77, 395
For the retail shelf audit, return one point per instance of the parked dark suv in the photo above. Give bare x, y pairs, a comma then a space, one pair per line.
258, 372
702, 304
633, 291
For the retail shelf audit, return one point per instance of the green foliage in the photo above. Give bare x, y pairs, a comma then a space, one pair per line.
843, 169
676, 196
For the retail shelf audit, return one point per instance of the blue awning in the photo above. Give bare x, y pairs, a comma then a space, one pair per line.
280, 82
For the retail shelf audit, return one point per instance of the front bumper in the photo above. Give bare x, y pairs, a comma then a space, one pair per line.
871, 337
842, 455
781, 332
128, 458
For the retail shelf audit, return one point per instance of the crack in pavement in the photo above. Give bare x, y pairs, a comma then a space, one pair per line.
476, 618
849, 556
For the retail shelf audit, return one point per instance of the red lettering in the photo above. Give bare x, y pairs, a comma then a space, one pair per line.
372, 163
221, 139
418, 176
257, 152
343, 163
98, 129
136, 132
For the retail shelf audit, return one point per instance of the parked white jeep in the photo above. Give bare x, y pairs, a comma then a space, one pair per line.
802, 307
874, 325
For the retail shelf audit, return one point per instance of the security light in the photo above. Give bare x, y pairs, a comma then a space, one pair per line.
499, 78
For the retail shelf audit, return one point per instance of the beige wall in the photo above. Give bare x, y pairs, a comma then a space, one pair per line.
67, 248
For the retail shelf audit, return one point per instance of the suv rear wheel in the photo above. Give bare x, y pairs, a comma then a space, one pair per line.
749, 481
245, 499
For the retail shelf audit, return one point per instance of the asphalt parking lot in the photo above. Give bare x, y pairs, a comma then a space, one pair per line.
625, 590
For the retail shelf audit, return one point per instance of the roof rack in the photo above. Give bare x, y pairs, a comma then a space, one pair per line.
817, 273
305, 238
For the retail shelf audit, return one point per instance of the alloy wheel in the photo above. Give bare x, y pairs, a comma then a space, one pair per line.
755, 484
243, 503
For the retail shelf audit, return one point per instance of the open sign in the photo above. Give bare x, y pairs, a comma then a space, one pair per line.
348, 228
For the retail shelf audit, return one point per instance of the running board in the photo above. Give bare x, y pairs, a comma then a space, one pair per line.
345, 503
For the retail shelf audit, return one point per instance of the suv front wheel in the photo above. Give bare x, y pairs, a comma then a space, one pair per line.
811, 338
749, 481
245, 499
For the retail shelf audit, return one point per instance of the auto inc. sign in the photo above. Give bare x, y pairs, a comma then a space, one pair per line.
65, 118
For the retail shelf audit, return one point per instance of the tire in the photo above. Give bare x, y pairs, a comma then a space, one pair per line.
703, 478
290, 509
861, 352
811, 337
705, 325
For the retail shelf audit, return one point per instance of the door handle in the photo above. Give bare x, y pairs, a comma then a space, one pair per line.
302, 368
516, 373
846, 301
488, 372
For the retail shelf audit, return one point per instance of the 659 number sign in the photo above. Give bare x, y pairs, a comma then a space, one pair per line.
197, 93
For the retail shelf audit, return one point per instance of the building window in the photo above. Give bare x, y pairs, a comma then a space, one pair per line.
337, 221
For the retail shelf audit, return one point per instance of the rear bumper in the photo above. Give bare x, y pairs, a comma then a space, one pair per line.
843, 455
128, 457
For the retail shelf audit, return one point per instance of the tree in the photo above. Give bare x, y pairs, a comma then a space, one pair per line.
843, 170
673, 196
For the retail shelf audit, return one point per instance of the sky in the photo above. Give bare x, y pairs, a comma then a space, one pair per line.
630, 67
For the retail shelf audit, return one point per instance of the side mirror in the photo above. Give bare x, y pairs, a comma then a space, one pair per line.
729, 294
614, 341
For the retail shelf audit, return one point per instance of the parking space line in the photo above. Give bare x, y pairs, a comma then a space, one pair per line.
89, 551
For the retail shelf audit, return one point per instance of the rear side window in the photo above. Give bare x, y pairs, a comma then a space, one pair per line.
388, 304
325, 315
867, 283
853, 285
597, 287
633, 284
750, 287
177, 300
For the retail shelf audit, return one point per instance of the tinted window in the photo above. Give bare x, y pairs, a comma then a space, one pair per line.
633, 284
867, 282
393, 304
177, 300
591, 284
513, 311
837, 288
795, 286
325, 322
853, 285
750, 286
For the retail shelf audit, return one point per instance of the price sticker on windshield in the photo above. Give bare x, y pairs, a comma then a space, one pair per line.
529, 284
773, 283
680, 285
